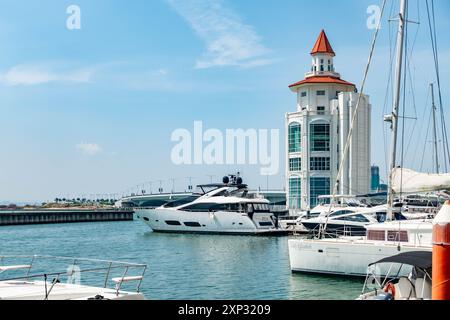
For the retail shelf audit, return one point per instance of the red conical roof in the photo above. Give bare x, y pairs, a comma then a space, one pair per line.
322, 45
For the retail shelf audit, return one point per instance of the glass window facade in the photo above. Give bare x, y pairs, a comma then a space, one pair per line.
321, 110
295, 164
319, 164
320, 137
295, 137
318, 187
321, 92
295, 192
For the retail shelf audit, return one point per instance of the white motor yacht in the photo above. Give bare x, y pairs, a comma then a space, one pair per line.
225, 208
342, 215
347, 221
61, 278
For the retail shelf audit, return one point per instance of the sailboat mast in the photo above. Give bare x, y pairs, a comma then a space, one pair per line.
435, 140
396, 106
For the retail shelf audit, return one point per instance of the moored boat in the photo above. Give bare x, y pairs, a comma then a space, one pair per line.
350, 256
64, 278
225, 208
412, 279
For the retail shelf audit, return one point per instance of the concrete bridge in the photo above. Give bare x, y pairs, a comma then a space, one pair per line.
277, 199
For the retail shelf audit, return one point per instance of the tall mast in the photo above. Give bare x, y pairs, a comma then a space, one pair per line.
396, 106
435, 140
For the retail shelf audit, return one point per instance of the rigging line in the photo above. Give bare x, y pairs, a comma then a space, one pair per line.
405, 75
388, 90
412, 90
443, 122
425, 144
408, 61
411, 61
433, 36
355, 113
421, 126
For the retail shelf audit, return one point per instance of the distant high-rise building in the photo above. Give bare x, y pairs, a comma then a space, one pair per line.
375, 178
317, 132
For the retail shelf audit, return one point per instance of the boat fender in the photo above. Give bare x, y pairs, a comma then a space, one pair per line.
390, 289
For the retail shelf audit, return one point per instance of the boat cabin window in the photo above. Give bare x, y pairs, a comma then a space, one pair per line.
173, 223
381, 216
260, 207
180, 202
377, 235
340, 213
201, 207
397, 236
355, 218
214, 207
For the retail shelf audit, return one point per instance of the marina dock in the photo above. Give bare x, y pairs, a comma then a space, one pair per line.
51, 216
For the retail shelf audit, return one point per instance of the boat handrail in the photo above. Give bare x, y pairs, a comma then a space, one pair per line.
14, 267
110, 266
70, 258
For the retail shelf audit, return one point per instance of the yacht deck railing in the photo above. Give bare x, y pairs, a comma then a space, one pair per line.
74, 270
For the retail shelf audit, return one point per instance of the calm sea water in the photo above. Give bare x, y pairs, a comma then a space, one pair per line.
183, 266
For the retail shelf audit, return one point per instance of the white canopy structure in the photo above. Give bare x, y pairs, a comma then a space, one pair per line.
408, 181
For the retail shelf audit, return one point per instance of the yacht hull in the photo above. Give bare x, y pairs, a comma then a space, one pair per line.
342, 256
226, 223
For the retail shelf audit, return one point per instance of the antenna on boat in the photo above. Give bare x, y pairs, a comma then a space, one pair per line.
393, 117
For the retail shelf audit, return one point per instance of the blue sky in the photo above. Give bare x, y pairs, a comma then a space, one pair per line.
91, 111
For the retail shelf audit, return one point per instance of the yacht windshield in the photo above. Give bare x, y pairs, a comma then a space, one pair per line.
201, 190
180, 202
238, 192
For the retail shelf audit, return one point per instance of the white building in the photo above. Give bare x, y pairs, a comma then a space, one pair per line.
316, 134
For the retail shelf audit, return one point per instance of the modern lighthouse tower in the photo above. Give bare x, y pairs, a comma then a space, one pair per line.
317, 132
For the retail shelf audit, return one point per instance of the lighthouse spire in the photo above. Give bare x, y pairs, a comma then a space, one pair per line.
323, 45
322, 58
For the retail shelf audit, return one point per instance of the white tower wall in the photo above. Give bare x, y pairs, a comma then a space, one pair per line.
326, 100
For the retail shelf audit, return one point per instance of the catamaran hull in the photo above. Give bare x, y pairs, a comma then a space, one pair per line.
344, 258
226, 223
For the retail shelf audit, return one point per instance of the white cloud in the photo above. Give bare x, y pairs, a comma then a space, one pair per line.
89, 148
28, 75
162, 72
229, 41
